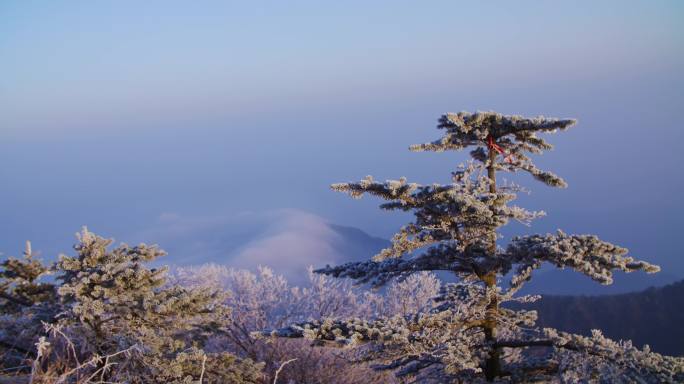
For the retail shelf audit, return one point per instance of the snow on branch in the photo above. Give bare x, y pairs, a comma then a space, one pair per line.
600, 357
511, 136
438, 258
461, 212
584, 253
340, 332
464, 129
398, 190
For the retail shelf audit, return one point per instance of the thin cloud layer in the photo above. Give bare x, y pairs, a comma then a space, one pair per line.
288, 240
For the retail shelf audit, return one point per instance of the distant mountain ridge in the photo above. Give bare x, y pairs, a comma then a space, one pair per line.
290, 240
357, 244
654, 316
287, 240
569, 282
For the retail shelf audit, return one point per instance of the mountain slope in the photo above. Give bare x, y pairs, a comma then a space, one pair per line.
286, 240
654, 316
567, 282
290, 240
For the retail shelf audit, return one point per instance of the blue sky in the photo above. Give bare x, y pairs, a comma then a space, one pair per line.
114, 114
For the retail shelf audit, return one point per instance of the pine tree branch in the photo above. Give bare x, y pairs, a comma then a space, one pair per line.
16, 300
543, 343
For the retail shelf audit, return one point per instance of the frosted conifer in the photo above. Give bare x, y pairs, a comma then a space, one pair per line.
469, 336
117, 303
20, 284
112, 319
26, 300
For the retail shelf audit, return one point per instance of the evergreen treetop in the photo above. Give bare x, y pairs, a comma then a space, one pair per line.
469, 336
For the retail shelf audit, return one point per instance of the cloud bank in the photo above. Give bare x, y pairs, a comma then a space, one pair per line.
289, 240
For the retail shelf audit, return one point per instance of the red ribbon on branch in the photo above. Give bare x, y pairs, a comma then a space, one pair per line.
493, 146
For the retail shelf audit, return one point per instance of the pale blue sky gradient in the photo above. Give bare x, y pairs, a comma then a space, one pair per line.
114, 113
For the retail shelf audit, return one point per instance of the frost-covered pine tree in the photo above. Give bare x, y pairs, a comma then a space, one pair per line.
25, 302
470, 336
20, 284
109, 317
116, 302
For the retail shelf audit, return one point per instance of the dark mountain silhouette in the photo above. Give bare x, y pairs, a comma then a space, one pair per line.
654, 316
570, 283
356, 244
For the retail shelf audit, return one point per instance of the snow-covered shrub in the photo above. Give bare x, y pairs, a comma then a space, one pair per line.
411, 295
120, 321
264, 300
26, 301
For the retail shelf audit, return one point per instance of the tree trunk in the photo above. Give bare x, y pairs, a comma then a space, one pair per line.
493, 362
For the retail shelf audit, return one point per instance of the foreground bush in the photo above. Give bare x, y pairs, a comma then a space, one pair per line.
107, 317
265, 300
113, 319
